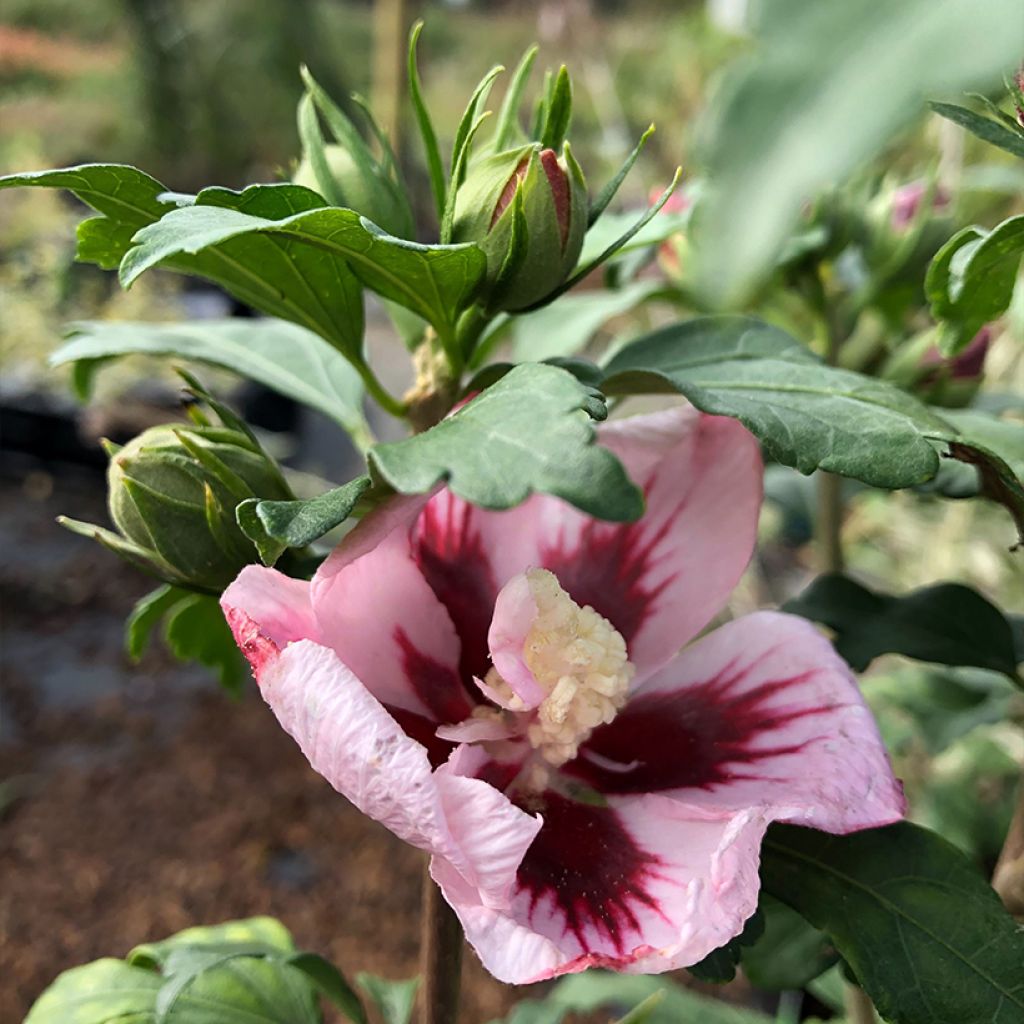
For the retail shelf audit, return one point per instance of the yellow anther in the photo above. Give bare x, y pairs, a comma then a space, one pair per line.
580, 660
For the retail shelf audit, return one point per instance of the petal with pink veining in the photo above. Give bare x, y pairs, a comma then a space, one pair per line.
759, 713
658, 581
375, 609
644, 884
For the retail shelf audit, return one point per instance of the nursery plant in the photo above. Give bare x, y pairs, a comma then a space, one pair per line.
515, 657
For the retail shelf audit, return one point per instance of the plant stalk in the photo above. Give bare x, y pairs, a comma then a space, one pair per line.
1008, 877
440, 957
829, 520
858, 1006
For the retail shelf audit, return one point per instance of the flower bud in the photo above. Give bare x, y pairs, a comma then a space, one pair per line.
948, 381
363, 189
528, 258
907, 200
172, 493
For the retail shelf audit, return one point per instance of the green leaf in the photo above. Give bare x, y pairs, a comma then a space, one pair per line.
294, 524
313, 249
971, 280
719, 966
790, 953
393, 999
104, 992
331, 982
433, 152
969, 794
928, 708
565, 328
267, 932
826, 88
126, 197
949, 624
240, 990
983, 127
281, 356
996, 448
597, 990
806, 414
195, 630
924, 933
146, 615
529, 432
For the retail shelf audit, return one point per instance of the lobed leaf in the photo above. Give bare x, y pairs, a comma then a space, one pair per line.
127, 199
529, 432
195, 630
806, 414
322, 251
274, 526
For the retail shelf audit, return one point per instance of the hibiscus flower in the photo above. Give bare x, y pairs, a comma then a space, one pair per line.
506, 691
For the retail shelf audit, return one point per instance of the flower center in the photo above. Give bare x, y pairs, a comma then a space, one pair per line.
580, 660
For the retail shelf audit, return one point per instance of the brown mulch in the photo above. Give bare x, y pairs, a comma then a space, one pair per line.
222, 820
147, 801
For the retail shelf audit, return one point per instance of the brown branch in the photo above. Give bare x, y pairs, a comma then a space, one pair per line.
440, 957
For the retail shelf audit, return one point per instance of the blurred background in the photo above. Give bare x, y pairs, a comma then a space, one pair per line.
138, 799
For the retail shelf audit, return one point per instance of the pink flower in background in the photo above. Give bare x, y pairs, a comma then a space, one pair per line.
505, 691
907, 199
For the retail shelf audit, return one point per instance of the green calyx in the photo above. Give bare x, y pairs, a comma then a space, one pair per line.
527, 210
172, 493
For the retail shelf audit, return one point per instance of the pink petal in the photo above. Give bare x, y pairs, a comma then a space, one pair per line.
491, 834
761, 713
375, 609
659, 581
267, 610
351, 740
643, 885
514, 613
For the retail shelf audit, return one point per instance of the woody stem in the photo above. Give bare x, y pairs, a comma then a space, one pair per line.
440, 957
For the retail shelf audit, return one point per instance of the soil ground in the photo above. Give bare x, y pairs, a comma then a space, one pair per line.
138, 799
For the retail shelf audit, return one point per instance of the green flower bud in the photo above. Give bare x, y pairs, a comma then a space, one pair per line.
172, 493
364, 189
527, 209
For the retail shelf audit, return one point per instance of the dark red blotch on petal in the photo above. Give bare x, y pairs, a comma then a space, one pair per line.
702, 736
436, 685
586, 861
608, 570
451, 556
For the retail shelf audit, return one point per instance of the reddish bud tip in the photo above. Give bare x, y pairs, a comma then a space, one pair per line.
558, 182
509, 191
559, 190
